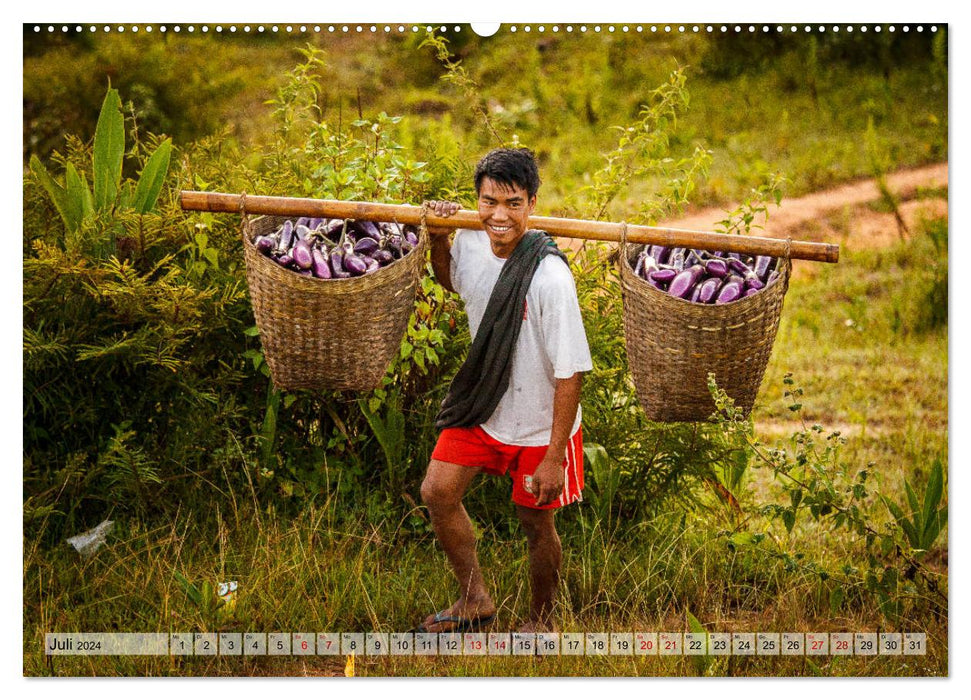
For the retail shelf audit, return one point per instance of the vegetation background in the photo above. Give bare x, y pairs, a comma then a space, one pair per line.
147, 400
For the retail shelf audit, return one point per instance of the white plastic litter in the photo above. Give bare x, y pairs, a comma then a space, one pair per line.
87, 543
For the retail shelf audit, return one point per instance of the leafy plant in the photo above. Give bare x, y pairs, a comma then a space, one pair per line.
703, 662
926, 517
456, 74
76, 203
643, 151
821, 488
743, 218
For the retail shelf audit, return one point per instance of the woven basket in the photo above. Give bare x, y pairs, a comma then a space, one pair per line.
672, 345
329, 334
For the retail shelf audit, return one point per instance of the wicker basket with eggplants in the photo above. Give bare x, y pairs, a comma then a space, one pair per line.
679, 329
337, 333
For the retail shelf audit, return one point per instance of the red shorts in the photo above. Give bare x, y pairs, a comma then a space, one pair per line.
474, 447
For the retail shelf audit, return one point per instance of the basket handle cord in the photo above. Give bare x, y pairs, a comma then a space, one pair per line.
424, 213
623, 238
243, 217
789, 252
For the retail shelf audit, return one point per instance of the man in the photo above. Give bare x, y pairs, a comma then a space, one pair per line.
513, 407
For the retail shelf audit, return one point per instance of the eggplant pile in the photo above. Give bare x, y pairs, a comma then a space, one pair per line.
336, 248
705, 277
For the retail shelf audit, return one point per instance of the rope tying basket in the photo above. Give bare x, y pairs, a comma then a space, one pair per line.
672, 344
329, 333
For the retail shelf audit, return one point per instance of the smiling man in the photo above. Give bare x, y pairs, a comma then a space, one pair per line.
514, 405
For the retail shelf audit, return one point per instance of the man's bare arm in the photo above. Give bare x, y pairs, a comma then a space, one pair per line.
548, 479
441, 255
441, 247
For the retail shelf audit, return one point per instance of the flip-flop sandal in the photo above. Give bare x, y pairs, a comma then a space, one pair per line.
462, 624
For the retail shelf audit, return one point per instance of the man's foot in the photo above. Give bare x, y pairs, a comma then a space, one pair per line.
461, 617
533, 627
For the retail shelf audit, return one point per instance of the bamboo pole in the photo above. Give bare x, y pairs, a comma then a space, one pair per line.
465, 218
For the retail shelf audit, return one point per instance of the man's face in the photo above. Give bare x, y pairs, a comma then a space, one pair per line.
504, 211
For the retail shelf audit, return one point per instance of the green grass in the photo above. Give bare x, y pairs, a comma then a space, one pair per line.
294, 576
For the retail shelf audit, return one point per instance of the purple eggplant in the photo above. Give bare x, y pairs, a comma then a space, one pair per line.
301, 232
302, 256
659, 253
750, 291
305, 273
392, 242
333, 229
382, 256
337, 263
736, 265
734, 256
729, 293
716, 267
751, 279
709, 290
695, 293
320, 266
676, 260
354, 264
302, 221
365, 245
683, 283
314, 223
411, 238
369, 229
762, 264
662, 274
773, 276
286, 236
265, 244
284, 260
645, 264
370, 264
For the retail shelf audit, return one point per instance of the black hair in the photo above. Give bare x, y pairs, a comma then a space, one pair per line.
509, 167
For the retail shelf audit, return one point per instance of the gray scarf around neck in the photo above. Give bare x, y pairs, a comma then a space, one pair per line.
484, 376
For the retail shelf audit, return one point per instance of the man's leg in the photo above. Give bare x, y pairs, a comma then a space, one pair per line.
442, 491
545, 555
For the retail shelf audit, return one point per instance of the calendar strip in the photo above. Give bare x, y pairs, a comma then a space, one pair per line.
488, 644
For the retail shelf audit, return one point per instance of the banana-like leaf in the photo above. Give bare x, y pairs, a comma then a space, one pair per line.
912, 535
912, 499
76, 190
109, 151
191, 590
150, 181
702, 662
57, 193
125, 193
268, 432
87, 204
933, 528
389, 430
932, 498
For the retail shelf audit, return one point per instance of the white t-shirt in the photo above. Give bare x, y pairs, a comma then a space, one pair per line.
552, 343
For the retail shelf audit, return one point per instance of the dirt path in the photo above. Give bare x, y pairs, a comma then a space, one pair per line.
843, 214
